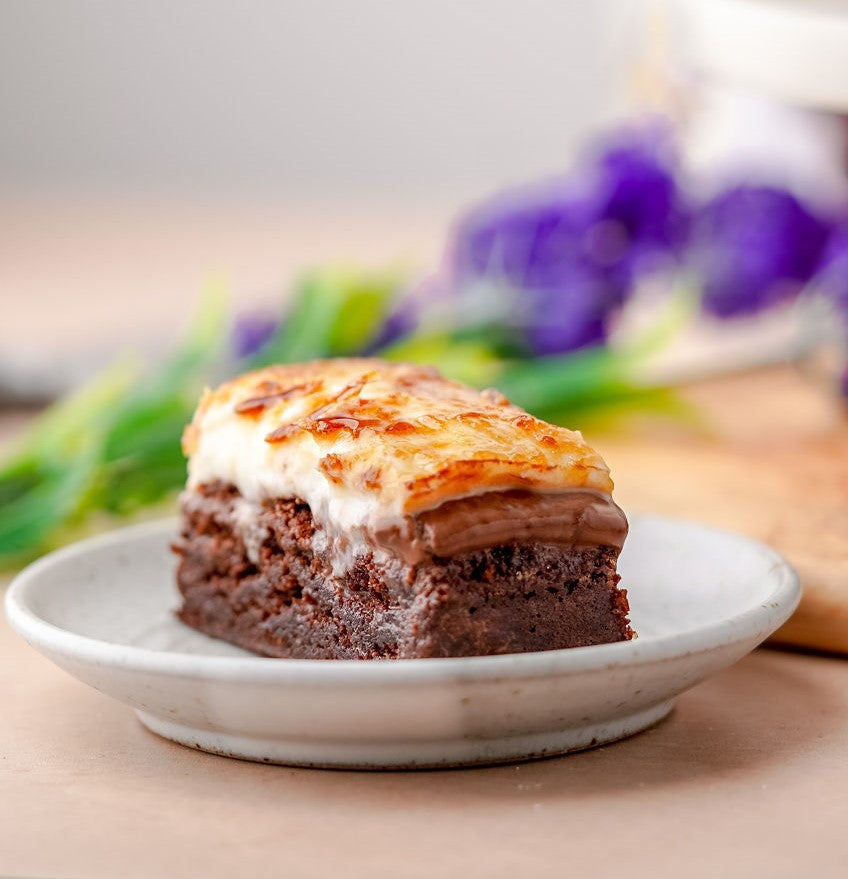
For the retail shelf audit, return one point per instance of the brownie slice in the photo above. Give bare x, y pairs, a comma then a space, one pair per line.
356, 508
279, 587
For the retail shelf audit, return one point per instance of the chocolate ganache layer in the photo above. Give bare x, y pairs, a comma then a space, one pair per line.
576, 517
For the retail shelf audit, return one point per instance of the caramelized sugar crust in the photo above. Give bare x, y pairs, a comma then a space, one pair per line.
400, 431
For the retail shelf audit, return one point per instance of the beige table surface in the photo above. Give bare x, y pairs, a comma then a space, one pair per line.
748, 777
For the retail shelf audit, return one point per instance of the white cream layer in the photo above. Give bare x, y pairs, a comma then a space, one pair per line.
452, 442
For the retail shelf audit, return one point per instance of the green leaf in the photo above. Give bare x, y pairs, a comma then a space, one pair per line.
190, 363
58, 429
335, 312
607, 412
548, 383
141, 458
27, 521
114, 445
468, 360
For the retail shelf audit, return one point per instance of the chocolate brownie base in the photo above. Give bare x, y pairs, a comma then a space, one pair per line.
282, 597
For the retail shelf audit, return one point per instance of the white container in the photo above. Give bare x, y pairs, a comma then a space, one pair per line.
761, 90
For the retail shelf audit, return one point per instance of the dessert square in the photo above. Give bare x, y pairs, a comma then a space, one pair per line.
359, 509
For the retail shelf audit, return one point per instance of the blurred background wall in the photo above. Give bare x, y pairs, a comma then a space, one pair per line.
389, 98
145, 145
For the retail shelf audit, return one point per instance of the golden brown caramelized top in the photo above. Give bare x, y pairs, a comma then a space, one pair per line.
400, 434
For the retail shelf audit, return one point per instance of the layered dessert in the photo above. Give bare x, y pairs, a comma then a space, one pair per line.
360, 509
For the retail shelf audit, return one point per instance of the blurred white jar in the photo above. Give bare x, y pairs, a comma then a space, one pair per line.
761, 90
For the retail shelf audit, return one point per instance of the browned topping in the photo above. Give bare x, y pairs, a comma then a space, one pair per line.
421, 374
471, 416
255, 405
347, 392
493, 395
342, 421
283, 433
467, 470
401, 427
332, 466
371, 478
430, 438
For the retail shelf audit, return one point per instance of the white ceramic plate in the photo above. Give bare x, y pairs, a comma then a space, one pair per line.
103, 611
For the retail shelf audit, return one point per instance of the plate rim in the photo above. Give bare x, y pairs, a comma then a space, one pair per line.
755, 622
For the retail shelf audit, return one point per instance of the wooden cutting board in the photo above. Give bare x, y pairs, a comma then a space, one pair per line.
771, 462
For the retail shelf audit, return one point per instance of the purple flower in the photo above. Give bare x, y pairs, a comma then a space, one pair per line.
252, 329
525, 240
638, 191
541, 268
556, 261
577, 315
753, 247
